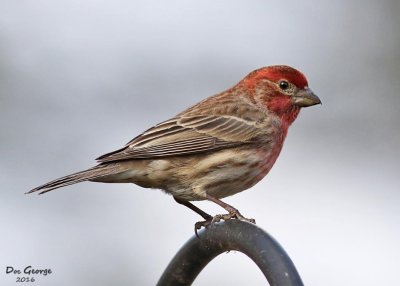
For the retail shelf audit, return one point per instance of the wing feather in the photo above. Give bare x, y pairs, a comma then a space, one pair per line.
184, 135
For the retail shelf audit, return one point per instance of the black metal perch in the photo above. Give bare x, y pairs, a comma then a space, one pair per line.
237, 235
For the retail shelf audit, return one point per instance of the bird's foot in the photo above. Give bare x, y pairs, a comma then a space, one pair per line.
242, 218
198, 225
233, 214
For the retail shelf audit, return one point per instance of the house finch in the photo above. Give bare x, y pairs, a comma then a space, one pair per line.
221, 146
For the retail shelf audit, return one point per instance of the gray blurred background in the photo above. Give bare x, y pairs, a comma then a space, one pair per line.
81, 78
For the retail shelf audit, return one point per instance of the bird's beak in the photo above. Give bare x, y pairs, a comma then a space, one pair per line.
305, 97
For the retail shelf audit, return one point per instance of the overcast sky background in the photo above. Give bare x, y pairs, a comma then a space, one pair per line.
81, 78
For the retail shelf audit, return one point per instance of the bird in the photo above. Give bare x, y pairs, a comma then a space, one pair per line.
221, 146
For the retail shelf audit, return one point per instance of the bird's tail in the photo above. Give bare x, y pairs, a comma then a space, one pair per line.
86, 175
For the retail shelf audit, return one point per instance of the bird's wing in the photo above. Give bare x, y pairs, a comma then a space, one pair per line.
183, 135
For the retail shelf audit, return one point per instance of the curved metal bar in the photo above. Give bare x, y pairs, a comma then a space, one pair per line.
231, 235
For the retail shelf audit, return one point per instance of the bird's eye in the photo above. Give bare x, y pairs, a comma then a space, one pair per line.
283, 84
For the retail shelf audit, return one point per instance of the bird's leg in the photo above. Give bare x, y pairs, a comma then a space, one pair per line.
232, 212
198, 225
209, 220
191, 206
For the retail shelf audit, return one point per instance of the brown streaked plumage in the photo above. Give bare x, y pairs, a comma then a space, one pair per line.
221, 146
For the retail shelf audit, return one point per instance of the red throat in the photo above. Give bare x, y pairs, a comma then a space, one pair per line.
284, 108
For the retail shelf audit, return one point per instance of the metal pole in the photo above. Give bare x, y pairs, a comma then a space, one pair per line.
225, 236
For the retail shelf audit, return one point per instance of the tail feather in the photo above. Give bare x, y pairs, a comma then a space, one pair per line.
86, 175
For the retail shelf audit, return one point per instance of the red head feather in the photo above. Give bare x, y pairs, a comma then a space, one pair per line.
274, 100
276, 73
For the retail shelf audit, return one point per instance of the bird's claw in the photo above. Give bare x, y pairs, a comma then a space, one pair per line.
198, 225
217, 218
242, 218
